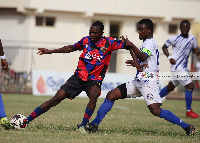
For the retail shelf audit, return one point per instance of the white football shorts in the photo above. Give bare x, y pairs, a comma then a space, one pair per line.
150, 91
180, 76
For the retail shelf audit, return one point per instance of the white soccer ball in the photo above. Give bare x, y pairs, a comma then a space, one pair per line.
19, 122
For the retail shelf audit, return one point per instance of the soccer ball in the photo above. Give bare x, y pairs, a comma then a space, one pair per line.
19, 122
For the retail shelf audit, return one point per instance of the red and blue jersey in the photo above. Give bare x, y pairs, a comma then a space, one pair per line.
93, 62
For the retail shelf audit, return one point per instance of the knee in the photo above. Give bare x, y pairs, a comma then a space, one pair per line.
155, 112
190, 87
111, 96
170, 88
94, 97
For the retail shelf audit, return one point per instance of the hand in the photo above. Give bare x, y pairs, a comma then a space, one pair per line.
126, 41
130, 63
197, 51
4, 65
44, 51
138, 67
172, 61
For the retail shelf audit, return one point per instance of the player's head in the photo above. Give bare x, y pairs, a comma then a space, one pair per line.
96, 31
145, 29
98, 23
185, 27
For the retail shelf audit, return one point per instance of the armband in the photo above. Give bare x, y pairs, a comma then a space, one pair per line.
148, 52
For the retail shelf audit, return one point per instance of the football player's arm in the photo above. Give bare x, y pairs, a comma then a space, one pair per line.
196, 50
4, 64
141, 56
165, 51
1, 49
65, 49
135, 62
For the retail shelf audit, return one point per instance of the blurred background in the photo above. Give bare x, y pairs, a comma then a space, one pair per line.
26, 25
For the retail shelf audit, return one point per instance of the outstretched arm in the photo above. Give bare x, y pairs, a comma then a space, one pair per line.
65, 49
141, 56
4, 64
165, 51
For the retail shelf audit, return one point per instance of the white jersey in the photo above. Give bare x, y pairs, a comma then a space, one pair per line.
181, 48
150, 48
146, 83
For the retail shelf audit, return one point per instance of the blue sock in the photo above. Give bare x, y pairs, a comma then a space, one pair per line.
87, 116
169, 116
188, 99
163, 92
2, 111
37, 112
103, 110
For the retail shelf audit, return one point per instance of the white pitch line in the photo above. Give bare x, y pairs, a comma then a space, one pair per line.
120, 107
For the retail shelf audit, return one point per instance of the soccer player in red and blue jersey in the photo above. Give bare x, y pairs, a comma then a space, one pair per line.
92, 66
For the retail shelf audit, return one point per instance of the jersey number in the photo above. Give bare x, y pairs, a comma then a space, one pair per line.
157, 53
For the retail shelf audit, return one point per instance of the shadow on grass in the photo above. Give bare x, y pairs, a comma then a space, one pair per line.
141, 131
50, 127
113, 130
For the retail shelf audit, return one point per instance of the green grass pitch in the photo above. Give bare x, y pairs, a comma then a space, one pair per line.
129, 121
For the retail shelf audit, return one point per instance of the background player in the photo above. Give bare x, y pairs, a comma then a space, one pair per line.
4, 121
142, 85
181, 45
90, 72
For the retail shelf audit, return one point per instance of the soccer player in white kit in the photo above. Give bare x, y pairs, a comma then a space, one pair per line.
182, 45
145, 83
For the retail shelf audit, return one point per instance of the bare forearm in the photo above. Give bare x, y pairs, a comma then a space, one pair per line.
65, 49
134, 57
1, 49
165, 51
140, 55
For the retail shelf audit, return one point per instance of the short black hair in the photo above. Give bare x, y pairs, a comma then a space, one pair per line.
148, 23
184, 21
98, 23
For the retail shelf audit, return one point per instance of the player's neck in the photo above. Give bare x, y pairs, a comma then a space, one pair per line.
184, 35
149, 37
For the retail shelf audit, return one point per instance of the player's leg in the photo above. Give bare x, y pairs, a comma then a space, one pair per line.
167, 89
169, 116
93, 94
60, 95
188, 98
153, 102
104, 109
119, 92
2, 110
4, 121
106, 106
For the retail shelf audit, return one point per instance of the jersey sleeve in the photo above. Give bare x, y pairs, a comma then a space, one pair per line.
79, 44
148, 48
116, 44
194, 43
170, 42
